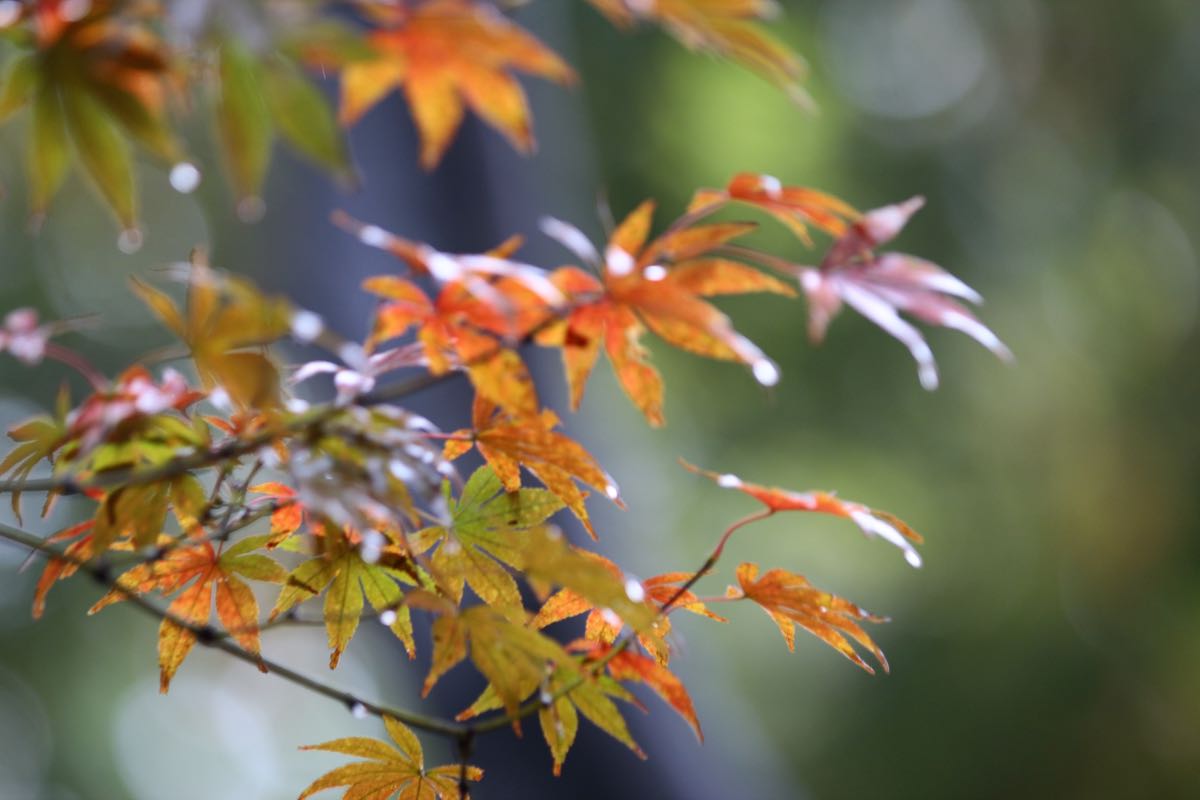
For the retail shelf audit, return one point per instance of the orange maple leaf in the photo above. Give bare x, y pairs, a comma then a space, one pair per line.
790, 600
797, 207
446, 55
656, 284
390, 770
456, 330
508, 443
725, 27
214, 573
870, 521
628, 666
602, 627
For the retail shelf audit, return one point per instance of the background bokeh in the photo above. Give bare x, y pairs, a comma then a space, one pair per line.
1050, 647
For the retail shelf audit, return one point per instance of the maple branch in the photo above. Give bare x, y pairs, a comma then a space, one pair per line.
713, 558
133, 476
78, 363
207, 636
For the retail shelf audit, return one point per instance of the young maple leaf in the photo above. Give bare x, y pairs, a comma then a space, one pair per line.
444, 54
870, 521
213, 572
389, 771
488, 529
723, 27
790, 600
600, 627
880, 285
349, 581
656, 284
508, 443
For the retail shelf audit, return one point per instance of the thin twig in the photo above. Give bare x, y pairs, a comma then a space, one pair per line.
208, 637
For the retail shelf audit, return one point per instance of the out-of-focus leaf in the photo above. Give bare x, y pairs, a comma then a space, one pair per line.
574, 690
724, 27
304, 117
49, 151
243, 121
103, 152
447, 54
512, 657
225, 317
20, 84
600, 627
36, 439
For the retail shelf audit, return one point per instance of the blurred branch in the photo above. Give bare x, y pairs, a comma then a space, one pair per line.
210, 637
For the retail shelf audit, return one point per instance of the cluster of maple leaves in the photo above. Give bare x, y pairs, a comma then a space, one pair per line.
210, 488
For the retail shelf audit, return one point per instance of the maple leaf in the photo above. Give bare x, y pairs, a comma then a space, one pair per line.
470, 269
390, 770
797, 207
487, 529
349, 581
444, 55
94, 80
450, 332
870, 521
225, 324
879, 286
288, 515
599, 627
37, 439
657, 284
790, 600
59, 569
512, 657
261, 95
723, 27
566, 692
136, 419
201, 572
627, 666
508, 443
624, 665
139, 511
